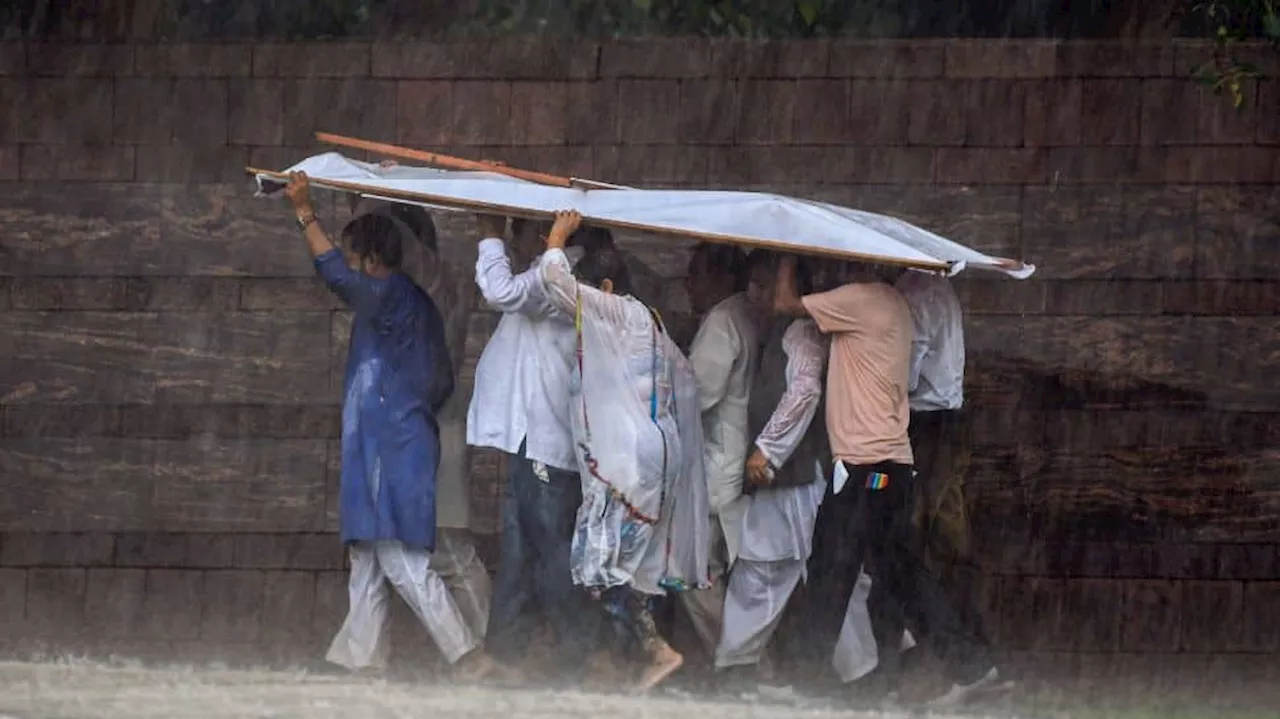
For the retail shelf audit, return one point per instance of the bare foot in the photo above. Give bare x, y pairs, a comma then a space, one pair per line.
664, 663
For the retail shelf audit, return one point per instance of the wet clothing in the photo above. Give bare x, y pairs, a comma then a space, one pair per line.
936, 380
398, 375
363, 642
631, 612
521, 395
870, 514
903, 591
520, 406
867, 376
723, 355
785, 418
456, 561
942, 446
538, 517
643, 522
939, 433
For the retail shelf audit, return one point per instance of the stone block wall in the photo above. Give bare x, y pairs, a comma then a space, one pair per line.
169, 368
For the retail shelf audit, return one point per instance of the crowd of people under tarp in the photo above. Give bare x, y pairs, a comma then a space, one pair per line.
792, 474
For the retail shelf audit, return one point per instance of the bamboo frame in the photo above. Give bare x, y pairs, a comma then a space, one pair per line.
507, 210
449, 162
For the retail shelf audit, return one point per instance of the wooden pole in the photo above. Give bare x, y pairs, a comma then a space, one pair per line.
450, 162
522, 212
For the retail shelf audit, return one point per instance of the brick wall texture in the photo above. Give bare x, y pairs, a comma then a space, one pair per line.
169, 367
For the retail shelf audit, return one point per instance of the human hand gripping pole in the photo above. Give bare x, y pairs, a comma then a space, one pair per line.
298, 192
492, 226
567, 222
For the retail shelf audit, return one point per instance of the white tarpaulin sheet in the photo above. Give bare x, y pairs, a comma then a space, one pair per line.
752, 218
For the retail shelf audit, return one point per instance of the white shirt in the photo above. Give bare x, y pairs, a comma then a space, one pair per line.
521, 390
724, 355
937, 352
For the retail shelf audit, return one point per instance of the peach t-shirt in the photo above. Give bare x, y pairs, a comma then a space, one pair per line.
867, 411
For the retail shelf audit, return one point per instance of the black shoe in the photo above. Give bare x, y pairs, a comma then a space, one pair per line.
876, 688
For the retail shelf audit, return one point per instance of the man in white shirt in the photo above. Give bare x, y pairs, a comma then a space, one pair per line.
520, 405
937, 430
723, 355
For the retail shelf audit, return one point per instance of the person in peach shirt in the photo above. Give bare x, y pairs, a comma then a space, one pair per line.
870, 502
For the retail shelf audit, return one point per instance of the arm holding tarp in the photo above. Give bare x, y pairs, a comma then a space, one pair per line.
501, 288
564, 291
786, 298
352, 287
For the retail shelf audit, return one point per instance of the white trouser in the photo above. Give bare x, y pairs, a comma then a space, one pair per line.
757, 595
458, 564
362, 642
856, 654
706, 606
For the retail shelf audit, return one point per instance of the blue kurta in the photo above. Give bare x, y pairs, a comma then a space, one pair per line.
398, 375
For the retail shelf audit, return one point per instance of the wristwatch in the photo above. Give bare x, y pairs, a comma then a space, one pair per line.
305, 222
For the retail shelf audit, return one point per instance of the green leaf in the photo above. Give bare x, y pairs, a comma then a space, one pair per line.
808, 11
1271, 25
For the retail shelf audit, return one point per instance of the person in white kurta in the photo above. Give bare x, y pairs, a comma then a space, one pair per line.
723, 355
777, 535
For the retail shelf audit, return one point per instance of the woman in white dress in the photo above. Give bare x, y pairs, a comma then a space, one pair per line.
643, 525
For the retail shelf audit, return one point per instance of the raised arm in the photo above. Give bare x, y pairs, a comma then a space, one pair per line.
299, 193
786, 297
355, 289
563, 289
806, 357
502, 290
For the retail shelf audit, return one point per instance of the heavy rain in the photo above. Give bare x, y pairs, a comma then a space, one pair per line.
787, 358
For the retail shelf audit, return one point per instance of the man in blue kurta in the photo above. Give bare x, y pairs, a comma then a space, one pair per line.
398, 376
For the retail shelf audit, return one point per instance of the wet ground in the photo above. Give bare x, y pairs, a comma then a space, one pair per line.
82, 689
75, 690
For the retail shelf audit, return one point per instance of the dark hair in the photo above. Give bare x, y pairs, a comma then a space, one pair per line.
418, 220
759, 258
804, 268
591, 238
724, 260
518, 225
375, 236
604, 263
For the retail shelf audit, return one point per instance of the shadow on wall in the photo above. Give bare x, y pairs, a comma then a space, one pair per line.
1087, 457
